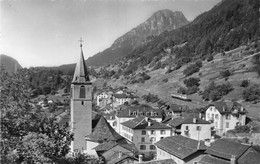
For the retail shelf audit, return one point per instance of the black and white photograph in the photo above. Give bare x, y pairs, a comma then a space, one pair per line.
130, 81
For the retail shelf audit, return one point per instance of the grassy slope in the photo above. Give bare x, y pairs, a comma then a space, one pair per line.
236, 60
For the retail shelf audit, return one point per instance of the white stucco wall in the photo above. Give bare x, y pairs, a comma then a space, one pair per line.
204, 133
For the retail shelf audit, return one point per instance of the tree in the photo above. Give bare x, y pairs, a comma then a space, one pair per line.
252, 93
21, 124
244, 83
192, 82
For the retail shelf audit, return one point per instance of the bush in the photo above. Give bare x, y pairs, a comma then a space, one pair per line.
165, 80
192, 90
244, 83
182, 90
191, 82
191, 69
150, 98
215, 92
225, 73
252, 93
210, 58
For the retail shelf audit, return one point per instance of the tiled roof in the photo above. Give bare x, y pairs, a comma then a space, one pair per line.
224, 148
120, 96
186, 120
104, 132
105, 146
208, 159
113, 158
175, 108
251, 156
140, 110
142, 123
163, 161
227, 107
180, 146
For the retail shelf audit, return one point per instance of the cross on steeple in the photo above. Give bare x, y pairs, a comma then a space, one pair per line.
80, 40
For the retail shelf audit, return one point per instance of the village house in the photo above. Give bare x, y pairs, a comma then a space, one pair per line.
104, 138
144, 132
111, 118
225, 116
120, 99
230, 152
181, 149
192, 127
131, 112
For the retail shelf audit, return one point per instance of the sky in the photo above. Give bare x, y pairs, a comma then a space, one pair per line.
47, 32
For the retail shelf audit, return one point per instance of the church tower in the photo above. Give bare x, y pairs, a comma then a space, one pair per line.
81, 105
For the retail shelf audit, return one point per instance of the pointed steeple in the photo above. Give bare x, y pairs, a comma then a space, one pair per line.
81, 72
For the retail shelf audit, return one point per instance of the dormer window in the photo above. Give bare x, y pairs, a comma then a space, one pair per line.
82, 92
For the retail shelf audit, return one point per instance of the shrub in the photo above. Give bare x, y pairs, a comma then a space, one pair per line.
210, 58
182, 90
225, 73
192, 90
191, 69
150, 98
165, 80
252, 93
191, 82
215, 92
244, 83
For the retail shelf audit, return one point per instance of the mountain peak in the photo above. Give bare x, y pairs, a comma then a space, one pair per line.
160, 21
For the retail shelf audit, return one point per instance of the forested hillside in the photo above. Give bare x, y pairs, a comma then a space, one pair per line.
228, 25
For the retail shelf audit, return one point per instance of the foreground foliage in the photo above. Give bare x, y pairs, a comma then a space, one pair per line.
27, 134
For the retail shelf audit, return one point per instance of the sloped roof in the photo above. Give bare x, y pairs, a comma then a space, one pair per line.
251, 156
224, 148
113, 157
141, 110
105, 146
186, 120
208, 159
142, 123
120, 96
180, 146
103, 132
162, 161
81, 73
175, 108
227, 107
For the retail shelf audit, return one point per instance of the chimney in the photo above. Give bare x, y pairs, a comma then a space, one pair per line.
140, 159
149, 123
233, 159
194, 120
119, 154
200, 116
212, 139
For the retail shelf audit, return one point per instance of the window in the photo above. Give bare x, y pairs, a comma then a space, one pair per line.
187, 127
153, 139
227, 124
142, 139
82, 92
152, 147
162, 131
142, 147
212, 116
152, 132
143, 132
198, 128
216, 116
228, 117
208, 115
